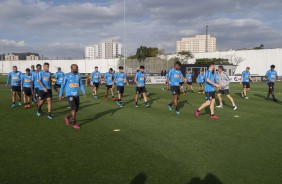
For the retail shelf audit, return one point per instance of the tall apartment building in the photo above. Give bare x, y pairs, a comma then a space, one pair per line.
197, 44
104, 50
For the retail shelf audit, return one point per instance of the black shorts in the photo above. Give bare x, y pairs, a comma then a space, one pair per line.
109, 87
36, 92
201, 84
175, 90
44, 95
120, 89
96, 84
189, 83
56, 86
140, 90
73, 102
271, 85
181, 83
16, 88
27, 91
246, 85
210, 95
224, 91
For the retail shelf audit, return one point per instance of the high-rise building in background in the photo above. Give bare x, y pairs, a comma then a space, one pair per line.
104, 50
197, 44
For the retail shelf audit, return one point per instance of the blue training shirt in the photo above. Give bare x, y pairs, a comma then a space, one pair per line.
216, 76
140, 77
246, 76
59, 77
14, 78
175, 77
208, 86
45, 79
189, 77
109, 77
35, 79
72, 82
166, 77
119, 78
27, 80
201, 78
271, 75
96, 77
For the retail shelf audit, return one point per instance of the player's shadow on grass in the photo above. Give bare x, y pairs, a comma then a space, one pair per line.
238, 94
139, 179
209, 179
68, 110
264, 97
181, 104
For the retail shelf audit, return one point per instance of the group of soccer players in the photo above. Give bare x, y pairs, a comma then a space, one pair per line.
36, 86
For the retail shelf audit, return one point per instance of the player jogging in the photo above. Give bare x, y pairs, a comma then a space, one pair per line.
224, 82
33, 72
245, 80
139, 80
209, 91
14, 78
109, 81
120, 79
59, 76
35, 81
174, 78
271, 76
200, 80
166, 84
27, 87
189, 80
96, 79
72, 82
44, 90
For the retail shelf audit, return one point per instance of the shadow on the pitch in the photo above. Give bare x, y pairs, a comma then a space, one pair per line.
209, 179
139, 179
238, 94
260, 96
270, 98
181, 104
66, 106
68, 110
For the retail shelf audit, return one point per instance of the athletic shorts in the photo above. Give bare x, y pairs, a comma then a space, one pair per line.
271, 85
120, 89
56, 86
109, 87
36, 92
96, 84
16, 88
181, 83
73, 102
189, 83
44, 95
246, 85
175, 90
201, 84
210, 95
140, 90
27, 91
224, 91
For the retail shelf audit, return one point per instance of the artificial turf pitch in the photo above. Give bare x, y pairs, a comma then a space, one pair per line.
153, 145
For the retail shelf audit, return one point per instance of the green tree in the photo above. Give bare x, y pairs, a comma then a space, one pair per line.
184, 56
217, 61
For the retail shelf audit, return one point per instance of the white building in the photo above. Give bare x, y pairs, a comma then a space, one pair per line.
11, 57
197, 44
104, 50
32, 57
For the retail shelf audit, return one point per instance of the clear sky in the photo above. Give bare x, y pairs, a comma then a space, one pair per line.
62, 28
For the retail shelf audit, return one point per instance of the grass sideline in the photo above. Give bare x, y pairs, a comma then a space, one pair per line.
153, 145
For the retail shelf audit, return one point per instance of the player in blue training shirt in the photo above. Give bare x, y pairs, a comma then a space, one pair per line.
209, 91
14, 78
44, 90
189, 80
59, 76
271, 76
174, 78
35, 81
120, 79
245, 80
27, 87
200, 80
72, 82
216, 76
109, 81
33, 72
166, 84
95, 79
139, 80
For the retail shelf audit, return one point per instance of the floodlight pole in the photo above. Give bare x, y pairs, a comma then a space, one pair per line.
2, 57
124, 52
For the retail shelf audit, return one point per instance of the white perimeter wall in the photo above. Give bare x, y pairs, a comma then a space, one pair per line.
85, 66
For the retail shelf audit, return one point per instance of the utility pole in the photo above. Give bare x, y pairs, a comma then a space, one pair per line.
207, 37
124, 52
2, 58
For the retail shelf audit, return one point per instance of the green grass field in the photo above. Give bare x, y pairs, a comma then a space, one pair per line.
153, 146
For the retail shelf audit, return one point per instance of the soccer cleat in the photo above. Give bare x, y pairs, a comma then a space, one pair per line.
50, 117
246, 98
197, 114
67, 121
114, 99
38, 114
20, 103
275, 100
235, 108
214, 117
147, 105
184, 94
136, 105
243, 95
169, 107
177, 112
220, 106
106, 99
26, 106
13, 106
76, 126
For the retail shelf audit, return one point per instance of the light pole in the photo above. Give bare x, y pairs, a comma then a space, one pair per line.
124, 52
2, 57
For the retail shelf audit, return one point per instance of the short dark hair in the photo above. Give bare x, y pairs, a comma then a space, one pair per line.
120, 67
59, 68
142, 67
46, 64
96, 66
189, 69
15, 67
248, 68
178, 63
27, 70
38, 65
272, 66
111, 69
221, 67
211, 63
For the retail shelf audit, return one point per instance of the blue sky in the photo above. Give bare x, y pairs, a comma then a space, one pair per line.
63, 28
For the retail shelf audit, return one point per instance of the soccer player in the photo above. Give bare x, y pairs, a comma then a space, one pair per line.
44, 90
15, 78
271, 76
216, 76
109, 81
139, 80
35, 81
189, 81
27, 87
245, 80
120, 79
33, 72
200, 79
224, 82
209, 91
59, 76
96, 78
166, 84
174, 78
72, 82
